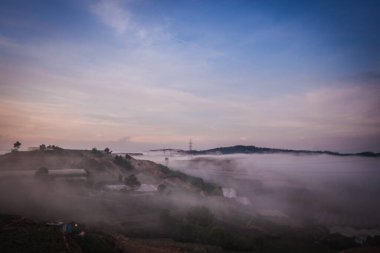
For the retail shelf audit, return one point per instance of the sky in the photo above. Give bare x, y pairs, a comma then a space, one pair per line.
136, 75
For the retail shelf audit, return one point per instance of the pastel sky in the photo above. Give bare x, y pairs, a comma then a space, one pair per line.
141, 74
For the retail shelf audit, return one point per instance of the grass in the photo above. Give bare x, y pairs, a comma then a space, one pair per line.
95, 243
199, 226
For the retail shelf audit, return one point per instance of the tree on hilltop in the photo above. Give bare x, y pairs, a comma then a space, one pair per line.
16, 146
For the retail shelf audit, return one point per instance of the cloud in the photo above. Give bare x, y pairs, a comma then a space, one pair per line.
152, 115
164, 96
7, 43
370, 77
158, 91
113, 14
118, 15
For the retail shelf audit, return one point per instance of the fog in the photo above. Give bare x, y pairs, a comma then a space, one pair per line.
117, 211
329, 190
293, 190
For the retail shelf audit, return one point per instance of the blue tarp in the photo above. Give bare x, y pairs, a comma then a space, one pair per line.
69, 228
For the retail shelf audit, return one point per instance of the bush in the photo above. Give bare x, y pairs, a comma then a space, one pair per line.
95, 243
195, 181
119, 160
132, 181
54, 148
96, 152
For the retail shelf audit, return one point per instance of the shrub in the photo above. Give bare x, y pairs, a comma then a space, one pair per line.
132, 181
195, 181
96, 152
119, 160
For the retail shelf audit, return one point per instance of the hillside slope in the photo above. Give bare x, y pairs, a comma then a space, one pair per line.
103, 168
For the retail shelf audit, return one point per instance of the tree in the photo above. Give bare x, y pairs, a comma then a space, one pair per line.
119, 160
16, 146
42, 147
132, 181
96, 152
107, 150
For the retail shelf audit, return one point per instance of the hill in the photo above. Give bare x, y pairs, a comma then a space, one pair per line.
101, 169
241, 149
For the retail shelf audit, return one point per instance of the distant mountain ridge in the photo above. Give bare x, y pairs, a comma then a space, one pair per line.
241, 149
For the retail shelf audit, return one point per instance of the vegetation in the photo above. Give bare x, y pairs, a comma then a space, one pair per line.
368, 154
43, 147
16, 146
198, 182
199, 225
96, 152
241, 149
20, 235
107, 151
123, 162
132, 181
96, 243
194, 228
